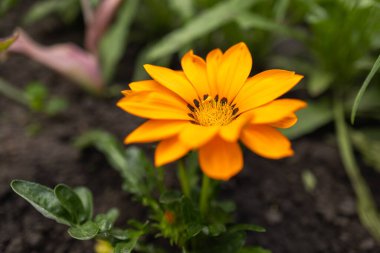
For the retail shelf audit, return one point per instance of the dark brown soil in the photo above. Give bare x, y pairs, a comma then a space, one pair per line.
267, 193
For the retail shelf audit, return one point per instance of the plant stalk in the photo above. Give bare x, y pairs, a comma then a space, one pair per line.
184, 179
205, 195
366, 207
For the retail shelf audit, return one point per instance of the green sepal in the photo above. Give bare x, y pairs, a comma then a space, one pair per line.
86, 231
43, 199
71, 202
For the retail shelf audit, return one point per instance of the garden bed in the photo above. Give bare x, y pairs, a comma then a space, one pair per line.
268, 193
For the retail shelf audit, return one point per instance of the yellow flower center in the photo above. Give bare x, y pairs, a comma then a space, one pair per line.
212, 112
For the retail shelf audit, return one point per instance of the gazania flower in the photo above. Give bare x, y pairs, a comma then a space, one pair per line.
210, 106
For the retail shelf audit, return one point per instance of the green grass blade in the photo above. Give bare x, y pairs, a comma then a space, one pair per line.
360, 94
113, 43
197, 27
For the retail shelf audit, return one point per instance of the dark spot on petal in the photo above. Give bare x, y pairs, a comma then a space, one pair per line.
191, 108
216, 98
233, 106
190, 115
193, 122
223, 101
196, 103
235, 111
205, 96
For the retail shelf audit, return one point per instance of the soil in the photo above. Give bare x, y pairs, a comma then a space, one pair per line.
268, 193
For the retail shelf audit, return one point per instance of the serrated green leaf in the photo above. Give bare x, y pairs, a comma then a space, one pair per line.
86, 231
246, 227
113, 44
71, 202
363, 88
43, 199
86, 198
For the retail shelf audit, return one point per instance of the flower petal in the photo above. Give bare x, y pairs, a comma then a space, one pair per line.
154, 130
266, 142
220, 159
154, 105
195, 70
286, 122
174, 81
234, 69
265, 87
169, 150
232, 131
195, 135
146, 85
213, 61
276, 110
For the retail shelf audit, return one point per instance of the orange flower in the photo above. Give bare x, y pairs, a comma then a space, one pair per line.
210, 106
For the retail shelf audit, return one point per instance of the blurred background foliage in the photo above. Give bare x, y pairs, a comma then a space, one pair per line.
333, 43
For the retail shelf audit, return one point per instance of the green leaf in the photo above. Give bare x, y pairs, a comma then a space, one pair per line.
55, 106
86, 198
68, 10
130, 163
197, 27
309, 180
247, 20
113, 44
184, 8
216, 229
127, 247
246, 227
170, 197
6, 5
37, 94
86, 231
43, 199
367, 142
319, 82
106, 221
314, 116
226, 243
7, 42
362, 90
254, 250
71, 202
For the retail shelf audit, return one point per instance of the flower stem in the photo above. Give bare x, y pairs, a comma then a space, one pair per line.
204, 197
184, 179
366, 207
